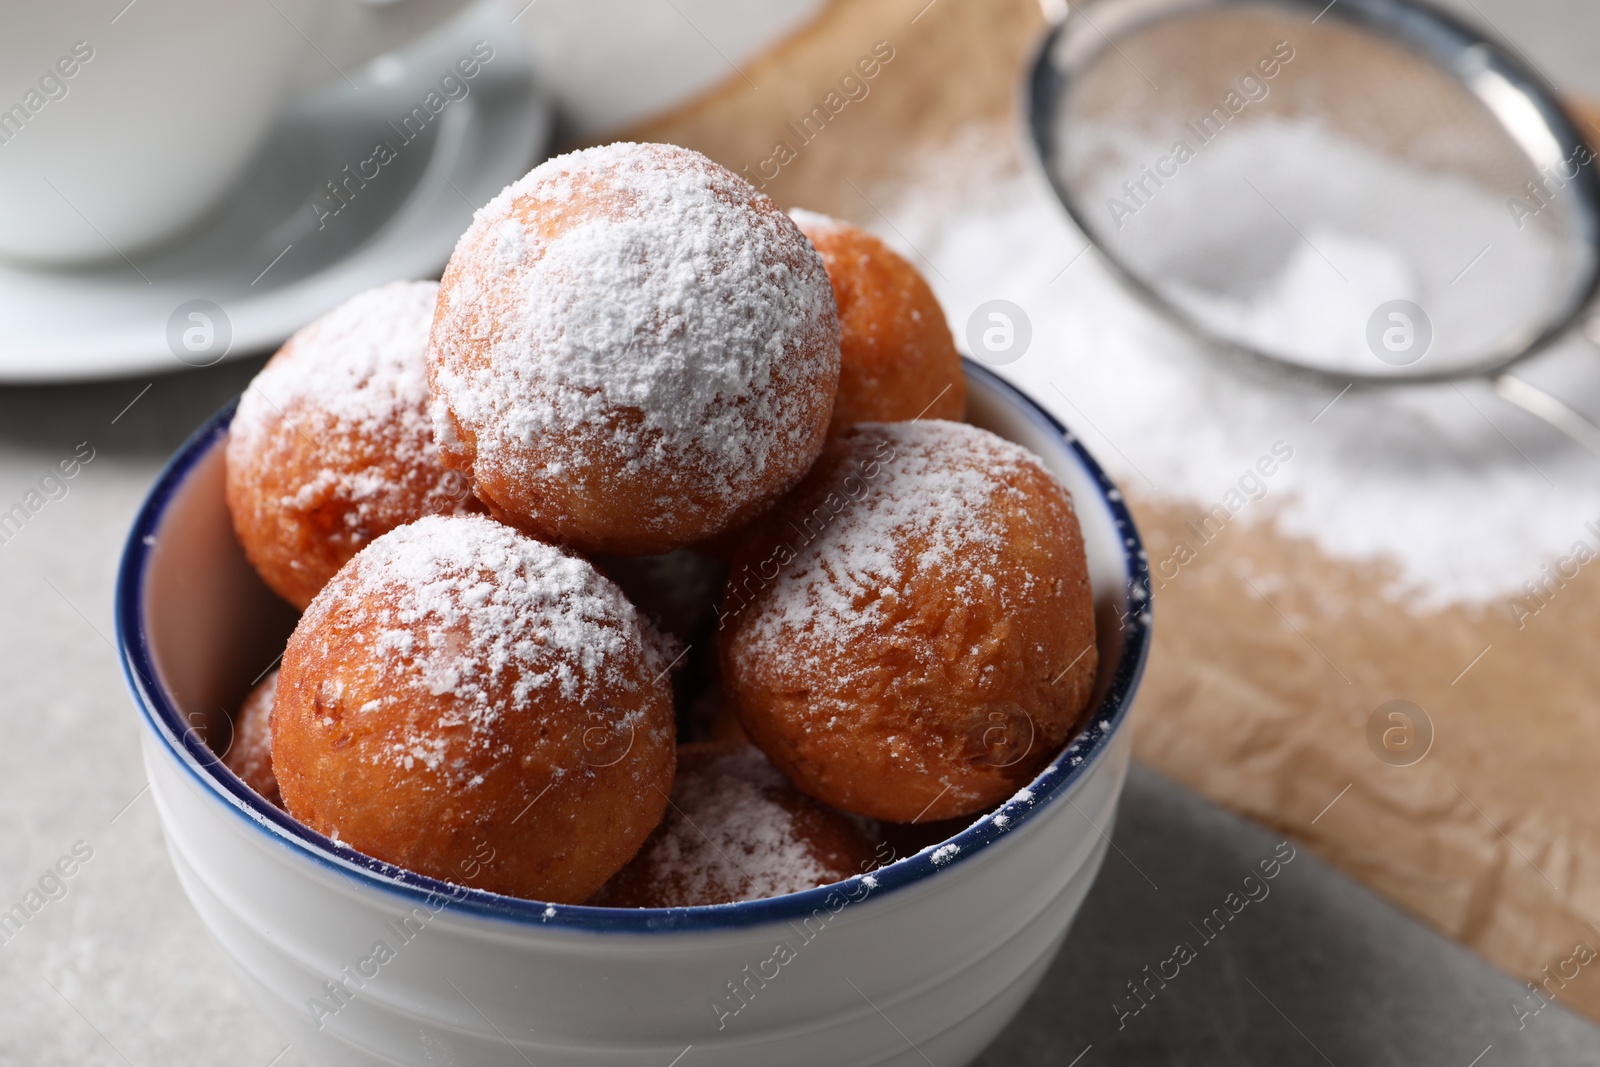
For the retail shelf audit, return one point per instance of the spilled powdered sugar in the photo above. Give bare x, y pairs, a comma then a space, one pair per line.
458, 605
1297, 313
667, 329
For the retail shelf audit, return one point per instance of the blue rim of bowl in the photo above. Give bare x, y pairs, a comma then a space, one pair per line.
192, 753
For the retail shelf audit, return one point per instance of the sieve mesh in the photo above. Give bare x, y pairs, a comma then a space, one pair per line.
1289, 186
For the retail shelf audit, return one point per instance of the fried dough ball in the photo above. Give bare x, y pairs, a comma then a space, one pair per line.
737, 831
249, 752
479, 707
331, 445
910, 635
634, 350
897, 359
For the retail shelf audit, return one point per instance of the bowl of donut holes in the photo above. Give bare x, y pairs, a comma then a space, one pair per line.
651, 643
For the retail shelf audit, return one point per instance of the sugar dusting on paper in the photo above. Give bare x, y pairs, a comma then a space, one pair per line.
1459, 496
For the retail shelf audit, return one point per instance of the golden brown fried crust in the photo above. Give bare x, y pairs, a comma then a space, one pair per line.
611, 504
309, 483
897, 359
297, 546
545, 802
938, 689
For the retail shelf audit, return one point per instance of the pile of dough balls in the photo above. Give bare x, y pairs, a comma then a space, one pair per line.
644, 560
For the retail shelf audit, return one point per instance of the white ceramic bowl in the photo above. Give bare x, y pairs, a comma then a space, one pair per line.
358, 962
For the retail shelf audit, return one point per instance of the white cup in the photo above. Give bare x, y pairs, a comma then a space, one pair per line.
122, 124
613, 63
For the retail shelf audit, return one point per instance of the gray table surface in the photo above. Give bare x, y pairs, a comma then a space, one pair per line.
120, 970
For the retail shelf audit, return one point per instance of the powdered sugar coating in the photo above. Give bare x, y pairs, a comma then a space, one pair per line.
331, 444
361, 362
457, 606
356, 374
477, 706
936, 478
633, 321
816, 220
737, 830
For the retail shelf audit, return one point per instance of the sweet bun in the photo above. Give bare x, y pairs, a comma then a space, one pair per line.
477, 706
653, 457
331, 446
634, 351
737, 831
910, 635
897, 359
249, 753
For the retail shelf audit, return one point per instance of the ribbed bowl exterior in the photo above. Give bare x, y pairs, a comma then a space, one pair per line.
946, 962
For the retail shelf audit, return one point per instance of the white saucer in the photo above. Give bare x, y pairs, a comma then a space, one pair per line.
261, 267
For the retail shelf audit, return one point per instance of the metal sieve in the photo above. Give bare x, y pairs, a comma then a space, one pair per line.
1358, 192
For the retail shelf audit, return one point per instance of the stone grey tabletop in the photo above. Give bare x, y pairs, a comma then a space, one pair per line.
119, 970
